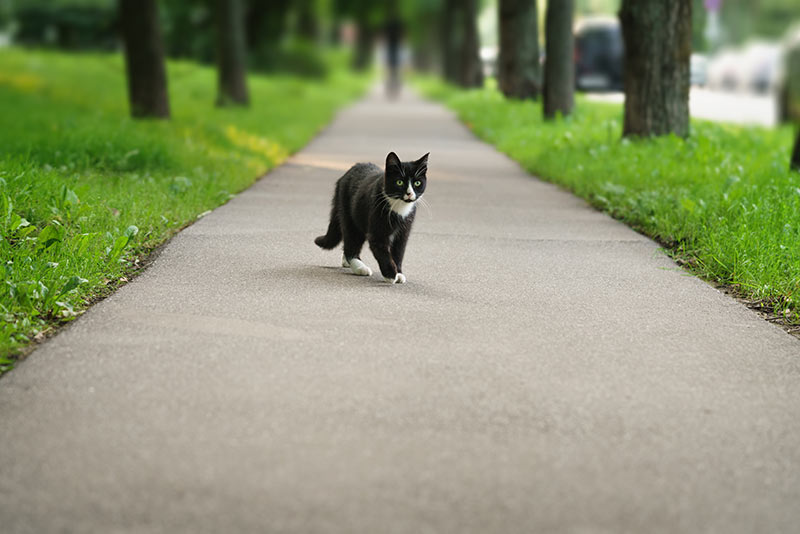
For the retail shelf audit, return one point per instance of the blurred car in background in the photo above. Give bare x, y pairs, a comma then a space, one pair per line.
789, 79
761, 62
599, 54
698, 70
752, 69
724, 72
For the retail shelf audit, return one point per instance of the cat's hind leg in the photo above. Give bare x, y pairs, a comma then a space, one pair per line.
359, 267
350, 259
353, 241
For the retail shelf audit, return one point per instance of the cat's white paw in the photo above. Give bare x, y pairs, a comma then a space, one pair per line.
345, 263
400, 278
358, 267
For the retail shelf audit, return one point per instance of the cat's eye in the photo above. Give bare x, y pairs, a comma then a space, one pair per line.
399, 182
417, 183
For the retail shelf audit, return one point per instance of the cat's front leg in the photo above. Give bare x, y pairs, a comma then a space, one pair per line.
397, 250
388, 268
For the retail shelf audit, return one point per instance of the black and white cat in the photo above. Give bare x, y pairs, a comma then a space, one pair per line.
376, 206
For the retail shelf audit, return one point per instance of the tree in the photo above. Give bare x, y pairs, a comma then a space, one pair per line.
366, 14
471, 69
559, 68
658, 44
265, 23
307, 26
795, 162
144, 58
461, 60
518, 65
231, 54
365, 39
450, 40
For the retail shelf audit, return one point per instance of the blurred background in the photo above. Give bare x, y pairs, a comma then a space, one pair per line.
744, 63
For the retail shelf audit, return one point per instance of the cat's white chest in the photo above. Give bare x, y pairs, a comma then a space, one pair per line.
401, 207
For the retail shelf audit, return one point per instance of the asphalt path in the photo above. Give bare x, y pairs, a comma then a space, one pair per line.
545, 369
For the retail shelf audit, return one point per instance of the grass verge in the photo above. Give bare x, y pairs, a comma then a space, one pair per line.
85, 191
723, 201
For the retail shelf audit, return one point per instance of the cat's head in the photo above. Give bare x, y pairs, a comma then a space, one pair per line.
405, 180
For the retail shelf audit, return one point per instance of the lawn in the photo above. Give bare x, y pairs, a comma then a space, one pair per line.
86, 192
722, 202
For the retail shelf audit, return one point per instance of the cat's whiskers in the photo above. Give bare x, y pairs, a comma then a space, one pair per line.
424, 203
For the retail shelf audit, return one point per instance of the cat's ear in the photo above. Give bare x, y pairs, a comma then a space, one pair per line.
392, 159
421, 165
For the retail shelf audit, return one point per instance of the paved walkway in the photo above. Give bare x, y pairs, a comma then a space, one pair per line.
545, 369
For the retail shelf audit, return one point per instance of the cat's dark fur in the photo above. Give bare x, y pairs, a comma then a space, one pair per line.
370, 204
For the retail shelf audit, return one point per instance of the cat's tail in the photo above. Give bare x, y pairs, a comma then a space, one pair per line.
334, 235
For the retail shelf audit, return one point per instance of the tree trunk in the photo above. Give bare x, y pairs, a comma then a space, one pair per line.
460, 57
451, 39
470, 68
335, 32
307, 27
144, 58
365, 41
795, 162
559, 67
658, 44
265, 23
518, 65
231, 54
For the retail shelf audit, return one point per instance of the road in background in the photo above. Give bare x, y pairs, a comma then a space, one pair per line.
739, 108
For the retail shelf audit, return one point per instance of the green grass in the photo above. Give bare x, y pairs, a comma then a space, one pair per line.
723, 201
85, 191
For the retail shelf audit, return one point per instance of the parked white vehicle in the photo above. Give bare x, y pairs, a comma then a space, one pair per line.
698, 74
754, 68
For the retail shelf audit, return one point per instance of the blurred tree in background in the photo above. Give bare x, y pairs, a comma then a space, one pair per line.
189, 29
459, 44
559, 70
67, 24
231, 54
5, 13
422, 32
658, 45
518, 64
144, 58
742, 19
368, 16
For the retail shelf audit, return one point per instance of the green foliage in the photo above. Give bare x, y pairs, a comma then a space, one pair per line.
293, 56
85, 190
722, 201
188, 29
64, 24
743, 19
